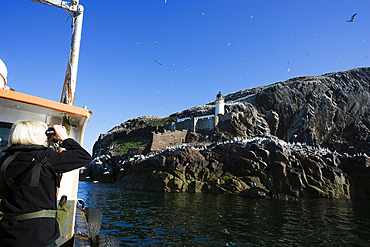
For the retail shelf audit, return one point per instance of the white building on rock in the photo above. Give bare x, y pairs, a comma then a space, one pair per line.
208, 122
220, 105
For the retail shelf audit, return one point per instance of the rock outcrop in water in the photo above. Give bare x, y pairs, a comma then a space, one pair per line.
260, 167
305, 137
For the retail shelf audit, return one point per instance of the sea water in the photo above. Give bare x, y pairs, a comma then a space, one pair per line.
140, 218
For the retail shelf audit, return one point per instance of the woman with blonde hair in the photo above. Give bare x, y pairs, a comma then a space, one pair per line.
28, 132
28, 144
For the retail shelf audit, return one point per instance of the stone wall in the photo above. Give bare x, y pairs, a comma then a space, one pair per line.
195, 124
188, 124
205, 123
168, 138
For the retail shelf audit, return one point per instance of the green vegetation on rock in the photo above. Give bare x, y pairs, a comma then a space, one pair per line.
123, 146
161, 122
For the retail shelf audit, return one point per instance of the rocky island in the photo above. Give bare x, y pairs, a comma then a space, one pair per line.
305, 137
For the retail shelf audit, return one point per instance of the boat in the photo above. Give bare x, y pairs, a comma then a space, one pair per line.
15, 106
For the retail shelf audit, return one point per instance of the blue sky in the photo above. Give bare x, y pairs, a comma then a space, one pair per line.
203, 46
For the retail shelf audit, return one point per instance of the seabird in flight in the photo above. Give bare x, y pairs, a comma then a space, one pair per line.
158, 62
352, 18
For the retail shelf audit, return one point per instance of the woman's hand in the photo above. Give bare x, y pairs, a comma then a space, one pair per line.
60, 132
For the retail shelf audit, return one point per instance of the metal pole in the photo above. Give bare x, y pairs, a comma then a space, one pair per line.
69, 87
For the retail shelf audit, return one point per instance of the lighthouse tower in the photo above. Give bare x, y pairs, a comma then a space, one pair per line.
220, 105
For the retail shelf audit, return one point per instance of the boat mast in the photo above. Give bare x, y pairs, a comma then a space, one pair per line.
76, 11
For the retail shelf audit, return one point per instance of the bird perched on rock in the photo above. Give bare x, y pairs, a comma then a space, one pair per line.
352, 18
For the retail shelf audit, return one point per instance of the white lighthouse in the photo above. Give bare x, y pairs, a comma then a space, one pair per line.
220, 105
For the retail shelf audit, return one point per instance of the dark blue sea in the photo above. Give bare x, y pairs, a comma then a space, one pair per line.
178, 219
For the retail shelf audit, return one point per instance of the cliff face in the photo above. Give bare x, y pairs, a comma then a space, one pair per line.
331, 110
312, 134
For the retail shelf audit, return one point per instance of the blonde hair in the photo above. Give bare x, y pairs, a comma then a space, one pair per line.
28, 132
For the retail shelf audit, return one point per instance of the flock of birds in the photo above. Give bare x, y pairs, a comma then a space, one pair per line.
350, 20
245, 141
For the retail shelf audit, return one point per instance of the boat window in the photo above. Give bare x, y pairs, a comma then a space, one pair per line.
4, 135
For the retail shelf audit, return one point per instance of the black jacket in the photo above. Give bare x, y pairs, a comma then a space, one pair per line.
40, 231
